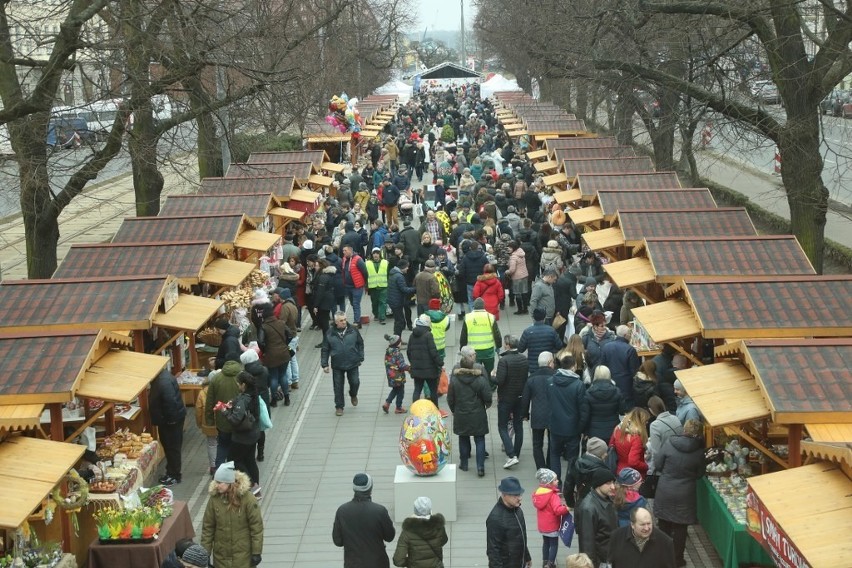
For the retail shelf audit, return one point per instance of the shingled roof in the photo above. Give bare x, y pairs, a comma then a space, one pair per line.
717, 222
316, 157
279, 186
255, 206
300, 170
606, 165
612, 201
598, 152
220, 229
185, 260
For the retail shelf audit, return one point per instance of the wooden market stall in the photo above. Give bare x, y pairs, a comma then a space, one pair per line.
631, 226
603, 152
591, 141
319, 158
232, 233
306, 173
606, 203
587, 184
570, 170
539, 130
257, 207
279, 186
321, 136
662, 261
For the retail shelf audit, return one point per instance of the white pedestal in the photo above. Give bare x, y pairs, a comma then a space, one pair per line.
452, 336
441, 489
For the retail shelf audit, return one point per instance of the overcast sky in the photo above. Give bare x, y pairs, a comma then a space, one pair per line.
443, 14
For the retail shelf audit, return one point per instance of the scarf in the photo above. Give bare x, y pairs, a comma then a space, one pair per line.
641, 542
599, 332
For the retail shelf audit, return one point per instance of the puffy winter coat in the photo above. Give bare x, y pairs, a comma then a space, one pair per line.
537, 338
398, 290
471, 266
664, 426
506, 537
512, 373
601, 409
421, 542
468, 397
344, 348
680, 464
550, 508
593, 347
165, 401
360, 527
422, 354
630, 450
566, 402
232, 535
323, 296
230, 344
261, 379
518, 265
223, 388
536, 403
276, 350
551, 259
490, 289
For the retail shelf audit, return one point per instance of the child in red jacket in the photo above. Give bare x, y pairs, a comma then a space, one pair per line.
548, 502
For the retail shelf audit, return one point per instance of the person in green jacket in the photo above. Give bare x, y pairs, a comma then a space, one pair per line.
232, 530
422, 539
223, 388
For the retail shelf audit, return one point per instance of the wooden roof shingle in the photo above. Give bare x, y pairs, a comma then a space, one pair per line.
254, 206
279, 186
316, 157
590, 183
300, 170
184, 260
730, 221
611, 201
594, 153
606, 165
220, 229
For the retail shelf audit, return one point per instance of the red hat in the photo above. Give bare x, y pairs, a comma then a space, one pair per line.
434, 304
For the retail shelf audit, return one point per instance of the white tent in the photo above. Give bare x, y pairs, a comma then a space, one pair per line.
497, 83
395, 87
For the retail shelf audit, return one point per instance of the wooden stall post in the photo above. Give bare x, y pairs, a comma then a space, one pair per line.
57, 432
794, 444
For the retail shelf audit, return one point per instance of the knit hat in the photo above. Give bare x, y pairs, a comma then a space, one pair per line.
225, 473
590, 280
260, 294
196, 555
434, 304
479, 304
222, 324
286, 294
601, 476
376, 249
249, 356
629, 477
280, 292
423, 321
539, 314
596, 447
552, 244
545, 476
429, 264
510, 486
678, 385
393, 340
422, 506
362, 483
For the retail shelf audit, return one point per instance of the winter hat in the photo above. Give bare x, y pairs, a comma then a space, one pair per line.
678, 385
249, 356
545, 476
479, 304
511, 486
590, 280
362, 185
539, 314
260, 294
196, 555
225, 473
424, 321
552, 244
596, 447
393, 340
422, 506
601, 476
308, 244
434, 304
286, 294
510, 209
280, 292
629, 477
429, 264
347, 181
362, 483
222, 324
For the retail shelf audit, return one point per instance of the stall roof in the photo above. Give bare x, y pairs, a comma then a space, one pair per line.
589, 183
803, 381
280, 186
613, 200
537, 154
713, 388
606, 165
189, 314
254, 206
554, 144
120, 376
299, 170
449, 70
219, 229
257, 240
812, 505
20, 417
830, 433
668, 321
317, 157
598, 152
286, 213
29, 470
564, 126
837, 452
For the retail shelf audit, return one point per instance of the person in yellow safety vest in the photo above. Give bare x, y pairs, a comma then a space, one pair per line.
377, 284
440, 325
480, 331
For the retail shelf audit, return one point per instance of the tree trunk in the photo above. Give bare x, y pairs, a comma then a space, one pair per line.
147, 179
209, 145
582, 99
624, 117
687, 152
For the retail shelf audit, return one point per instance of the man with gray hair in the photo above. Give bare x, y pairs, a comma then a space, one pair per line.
512, 371
342, 353
362, 527
536, 407
623, 363
542, 295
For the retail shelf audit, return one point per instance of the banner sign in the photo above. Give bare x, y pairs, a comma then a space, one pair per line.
765, 530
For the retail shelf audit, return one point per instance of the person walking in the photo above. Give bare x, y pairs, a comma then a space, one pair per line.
168, 413
480, 331
595, 517
640, 544
275, 346
223, 388
342, 354
536, 406
469, 396
244, 417
426, 363
567, 393
511, 379
505, 528
578, 480
362, 527
253, 366
542, 295
423, 536
440, 324
538, 338
623, 362
398, 293
354, 281
426, 286
550, 508
232, 529
324, 301
629, 439
602, 406
377, 284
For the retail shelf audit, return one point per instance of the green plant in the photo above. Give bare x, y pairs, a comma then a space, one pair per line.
244, 144
448, 134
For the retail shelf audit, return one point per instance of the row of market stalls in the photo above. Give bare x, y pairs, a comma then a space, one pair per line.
80, 349
767, 339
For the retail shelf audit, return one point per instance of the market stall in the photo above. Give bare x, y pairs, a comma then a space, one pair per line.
255, 206
305, 173
590, 141
604, 152
319, 158
279, 186
586, 185
606, 203
540, 130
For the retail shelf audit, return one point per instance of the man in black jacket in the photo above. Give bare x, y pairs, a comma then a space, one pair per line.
230, 344
641, 545
578, 480
344, 346
506, 530
512, 371
167, 414
596, 518
362, 527
536, 407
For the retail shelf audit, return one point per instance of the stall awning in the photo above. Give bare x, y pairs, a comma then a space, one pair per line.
320, 180
287, 213
803, 516
328, 138
305, 196
555, 179
837, 452
119, 376
586, 215
189, 313
29, 470
569, 196
631, 272
257, 240
224, 272
332, 167
603, 239
547, 166
20, 416
830, 433
667, 321
725, 393
536, 155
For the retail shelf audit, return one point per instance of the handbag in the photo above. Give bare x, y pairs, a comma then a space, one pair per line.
611, 459
558, 320
648, 489
566, 529
443, 383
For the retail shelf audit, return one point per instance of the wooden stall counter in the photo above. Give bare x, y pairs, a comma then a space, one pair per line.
145, 555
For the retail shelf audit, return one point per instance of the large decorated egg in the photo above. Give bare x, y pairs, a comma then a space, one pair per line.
424, 442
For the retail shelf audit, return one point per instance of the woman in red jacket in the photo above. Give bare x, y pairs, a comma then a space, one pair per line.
629, 439
490, 289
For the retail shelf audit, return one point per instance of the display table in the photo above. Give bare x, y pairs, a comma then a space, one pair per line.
148, 555
731, 539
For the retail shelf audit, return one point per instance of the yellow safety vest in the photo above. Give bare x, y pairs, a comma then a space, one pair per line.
439, 332
479, 335
377, 278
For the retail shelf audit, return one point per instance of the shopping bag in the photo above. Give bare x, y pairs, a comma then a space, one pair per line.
558, 320
566, 529
443, 383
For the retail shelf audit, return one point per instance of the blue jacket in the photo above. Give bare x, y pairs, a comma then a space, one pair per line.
537, 338
379, 236
398, 290
567, 394
623, 362
535, 403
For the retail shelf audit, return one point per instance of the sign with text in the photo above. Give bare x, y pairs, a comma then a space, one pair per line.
765, 530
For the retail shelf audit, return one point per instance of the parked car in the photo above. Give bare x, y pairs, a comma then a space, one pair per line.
833, 103
766, 92
846, 109
67, 132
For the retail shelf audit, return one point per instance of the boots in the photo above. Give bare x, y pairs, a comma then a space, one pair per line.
261, 444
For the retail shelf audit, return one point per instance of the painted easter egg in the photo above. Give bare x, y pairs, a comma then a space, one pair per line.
424, 442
